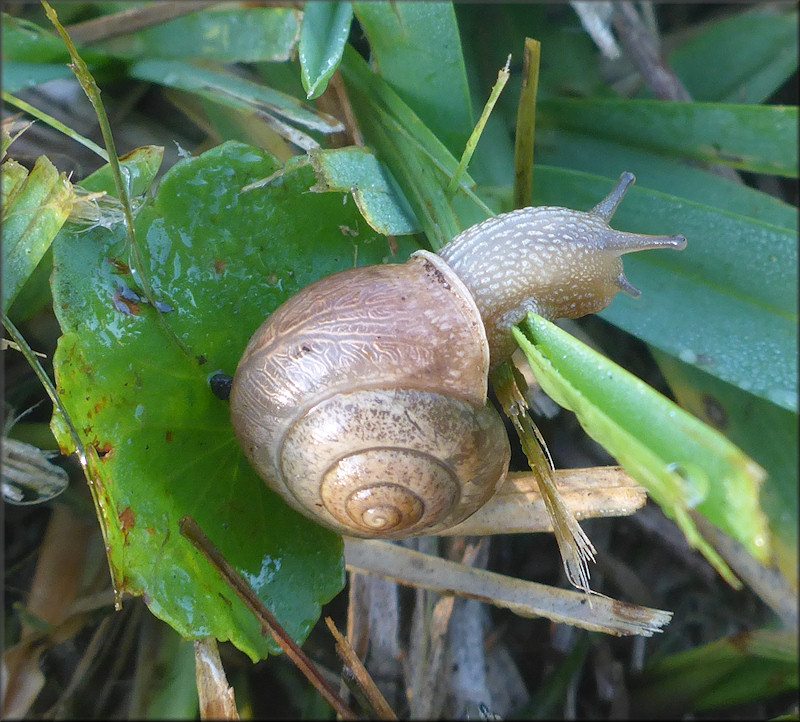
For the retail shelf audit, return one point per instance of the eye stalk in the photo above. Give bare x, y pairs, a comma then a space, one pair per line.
556, 262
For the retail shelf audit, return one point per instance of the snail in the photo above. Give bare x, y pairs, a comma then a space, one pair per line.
362, 400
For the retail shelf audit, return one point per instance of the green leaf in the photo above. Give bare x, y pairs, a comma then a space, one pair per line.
416, 49
730, 671
222, 260
752, 55
238, 35
755, 138
684, 464
764, 431
33, 56
737, 276
604, 156
357, 171
326, 26
232, 91
18, 75
24, 40
35, 207
418, 160
139, 168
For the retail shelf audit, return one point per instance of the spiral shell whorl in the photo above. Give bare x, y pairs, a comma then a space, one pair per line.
355, 493
393, 463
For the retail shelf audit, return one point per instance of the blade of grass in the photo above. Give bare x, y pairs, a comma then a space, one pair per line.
684, 464
502, 79
526, 124
53, 123
60, 411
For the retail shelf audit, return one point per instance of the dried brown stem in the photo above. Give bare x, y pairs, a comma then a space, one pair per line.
380, 707
191, 530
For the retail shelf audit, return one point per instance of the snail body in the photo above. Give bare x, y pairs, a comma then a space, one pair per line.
362, 400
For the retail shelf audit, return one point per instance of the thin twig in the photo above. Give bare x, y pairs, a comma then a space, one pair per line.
380, 707
634, 36
191, 530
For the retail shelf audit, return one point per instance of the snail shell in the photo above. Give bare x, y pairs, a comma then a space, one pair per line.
362, 400
349, 411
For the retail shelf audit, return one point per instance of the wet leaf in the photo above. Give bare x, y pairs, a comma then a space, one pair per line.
416, 49
764, 431
683, 463
35, 207
237, 35
737, 275
222, 260
755, 138
326, 27
376, 193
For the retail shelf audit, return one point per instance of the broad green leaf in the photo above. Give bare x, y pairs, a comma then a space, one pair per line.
139, 168
33, 56
232, 91
416, 49
741, 59
684, 464
736, 277
604, 156
35, 207
764, 431
730, 671
25, 41
239, 35
326, 27
755, 138
222, 260
18, 75
357, 171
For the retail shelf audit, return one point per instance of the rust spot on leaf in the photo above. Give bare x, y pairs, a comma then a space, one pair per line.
169, 436
219, 266
128, 520
119, 267
104, 452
